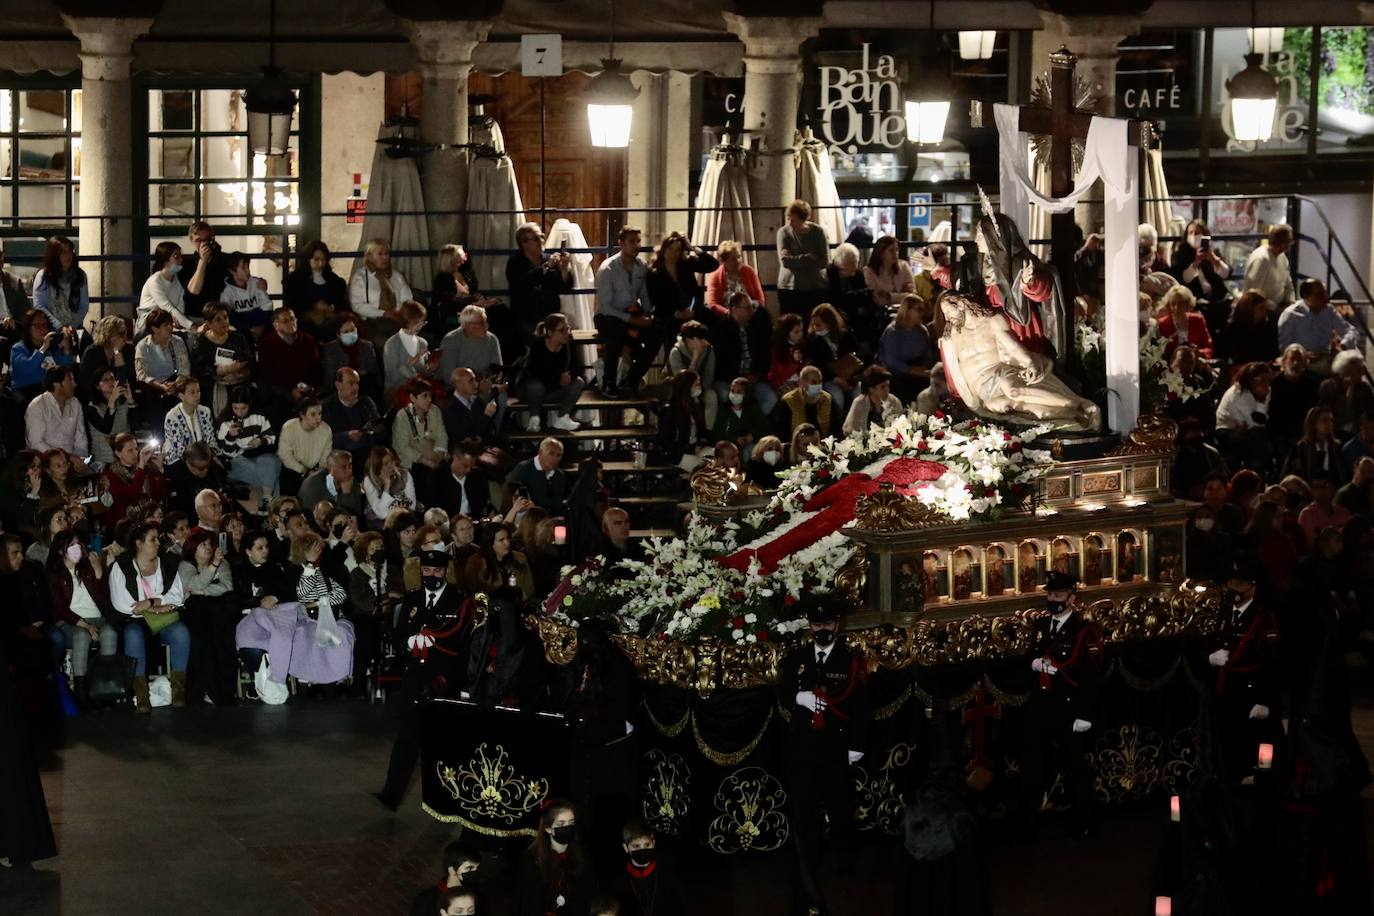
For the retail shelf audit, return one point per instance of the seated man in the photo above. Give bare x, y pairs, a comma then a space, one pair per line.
615, 528
462, 489
352, 416
470, 417
209, 511
624, 315
809, 403
288, 364
54, 419
1312, 323
334, 482
196, 471
998, 377
542, 478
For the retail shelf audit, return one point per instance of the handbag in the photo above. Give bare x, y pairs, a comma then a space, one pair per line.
159, 622
109, 679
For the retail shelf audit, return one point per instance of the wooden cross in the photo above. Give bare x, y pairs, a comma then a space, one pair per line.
975, 714
1063, 123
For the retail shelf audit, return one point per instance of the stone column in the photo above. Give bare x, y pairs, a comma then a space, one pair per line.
1094, 40
772, 92
660, 154
445, 49
107, 187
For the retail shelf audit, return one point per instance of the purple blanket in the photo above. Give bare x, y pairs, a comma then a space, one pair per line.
287, 634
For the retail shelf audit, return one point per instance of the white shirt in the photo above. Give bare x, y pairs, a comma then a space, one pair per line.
161, 293
146, 586
365, 291
48, 425
1237, 408
1269, 274
822, 653
432, 595
83, 605
462, 489
1059, 620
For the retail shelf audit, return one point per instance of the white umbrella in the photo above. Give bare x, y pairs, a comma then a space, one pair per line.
491, 186
816, 186
1158, 213
394, 187
722, 208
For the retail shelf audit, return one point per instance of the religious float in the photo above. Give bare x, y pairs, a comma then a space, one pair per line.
939, 532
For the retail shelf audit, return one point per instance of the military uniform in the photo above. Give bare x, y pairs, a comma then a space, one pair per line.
1244, 662
820, 739
435, 630
1067, 668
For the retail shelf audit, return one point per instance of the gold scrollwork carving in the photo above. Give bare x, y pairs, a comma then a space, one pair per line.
878, 801
559, 638
1180, 763
1127, 762
715, 485
488, 788
667, 802
1153, 433
852, 578
889, 510
752, 806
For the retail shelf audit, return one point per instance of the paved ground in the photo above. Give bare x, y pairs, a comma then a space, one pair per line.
266, 811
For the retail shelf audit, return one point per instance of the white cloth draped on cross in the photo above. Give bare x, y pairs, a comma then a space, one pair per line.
1109, 156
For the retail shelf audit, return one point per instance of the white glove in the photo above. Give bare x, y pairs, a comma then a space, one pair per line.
808, 700
1081, 725
1049, 668
1220, 657
1038, 666
420, 641
1259, 711
856, 756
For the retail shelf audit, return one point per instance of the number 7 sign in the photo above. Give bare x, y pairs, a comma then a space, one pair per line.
541, 55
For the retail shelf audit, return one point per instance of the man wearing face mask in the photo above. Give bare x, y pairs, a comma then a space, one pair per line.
436, 628
646, 887
1059, 716
825, 685
1244, 689
809, 402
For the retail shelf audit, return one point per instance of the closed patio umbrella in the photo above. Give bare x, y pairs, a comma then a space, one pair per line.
816, 186
395, 208
722, 207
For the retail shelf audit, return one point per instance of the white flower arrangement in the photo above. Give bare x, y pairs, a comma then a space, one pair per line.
681, 590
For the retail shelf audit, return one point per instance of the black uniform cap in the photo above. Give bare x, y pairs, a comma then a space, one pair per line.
822, 608
1056, 581
435, 558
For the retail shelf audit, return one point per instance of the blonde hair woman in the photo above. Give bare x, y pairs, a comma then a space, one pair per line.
733, 276
377, 289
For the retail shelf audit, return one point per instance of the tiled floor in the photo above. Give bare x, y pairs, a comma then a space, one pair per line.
266, 811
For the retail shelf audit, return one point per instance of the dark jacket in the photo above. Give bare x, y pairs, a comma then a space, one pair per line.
1074, 651
314, 488
60, 590
534, 288
819, 353
725, 341
252, 583
844, 681
669, 295
546, 491
449, 498
343, 419
463, 423
300, 292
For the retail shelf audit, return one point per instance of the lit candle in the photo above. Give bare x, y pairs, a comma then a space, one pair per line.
560, 534
1266, 756
1164, 906
1174, 813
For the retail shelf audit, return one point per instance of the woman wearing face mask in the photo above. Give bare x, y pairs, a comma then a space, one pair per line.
355, 352
374, 588
741, 420
210, 613
803, 437
80, 608
787, 356
163, 289
763, 467
315, 293
555, 873
693, 351
1196, 264
830, 347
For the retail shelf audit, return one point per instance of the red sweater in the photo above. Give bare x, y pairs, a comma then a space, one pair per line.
144, 483
286, 365
716, 286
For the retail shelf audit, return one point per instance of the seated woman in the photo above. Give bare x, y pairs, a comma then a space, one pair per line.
762, 469
210, 613
163, 290
60, 288
80, 608
803, 437
160, 360
907, 350
878, 406
1242, 419
400, 534
110, 352
352, 351
20, 486
376, 291
221, 356
107, 415
304, 636
830, 347
845, 278
315, 293
1251, 335
386, 486
374, 591
548, 376
682, 423
733, 276
888, 277
420, 439
455, 286
786, 354
189, 421
61, 485
146, 589
1180, 324
38, 348
247, 440
406, 355
259, 581
52, 521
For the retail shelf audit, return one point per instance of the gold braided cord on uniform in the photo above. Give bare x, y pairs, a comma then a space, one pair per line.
730, 758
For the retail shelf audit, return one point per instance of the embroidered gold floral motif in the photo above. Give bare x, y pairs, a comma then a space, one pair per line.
878, 802
1127, 762
751, 803
888, 510
666, 802
488, 787
1179, 766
